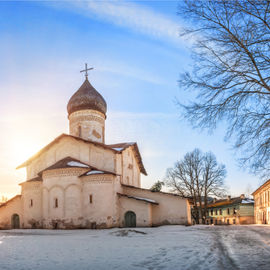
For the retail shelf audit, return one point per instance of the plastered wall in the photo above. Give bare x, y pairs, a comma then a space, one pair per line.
143, 211
14, 206
171, 209
87, 124
32, 204
91, 154
131, 170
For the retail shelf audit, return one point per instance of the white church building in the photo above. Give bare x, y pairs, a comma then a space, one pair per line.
78, 181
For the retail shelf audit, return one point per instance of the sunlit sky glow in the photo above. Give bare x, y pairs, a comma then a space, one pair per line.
137, 55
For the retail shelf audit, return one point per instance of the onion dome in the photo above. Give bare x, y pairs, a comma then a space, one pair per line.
87, 98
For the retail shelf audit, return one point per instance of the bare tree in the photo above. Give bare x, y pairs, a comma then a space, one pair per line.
198, 176
231, 73
249, 190
213, 175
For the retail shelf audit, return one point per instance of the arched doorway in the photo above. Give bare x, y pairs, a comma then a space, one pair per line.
130, 219
15, 221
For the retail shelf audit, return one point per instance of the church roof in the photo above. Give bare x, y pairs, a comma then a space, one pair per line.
70, 162
87, 98
123, 146
35, 179
67, 162
149, 190
105, 146
138, 198
229, 201
96, 172
10, 200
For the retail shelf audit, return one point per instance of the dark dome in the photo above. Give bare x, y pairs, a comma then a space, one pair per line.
87, 98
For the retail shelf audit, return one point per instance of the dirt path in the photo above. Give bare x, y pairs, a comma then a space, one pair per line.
225, 261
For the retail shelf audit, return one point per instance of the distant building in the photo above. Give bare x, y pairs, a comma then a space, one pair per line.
262, 203
239, 210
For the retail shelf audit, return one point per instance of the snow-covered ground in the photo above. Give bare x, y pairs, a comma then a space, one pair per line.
167, 247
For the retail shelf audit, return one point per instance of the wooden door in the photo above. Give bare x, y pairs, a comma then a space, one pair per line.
15, 221
130, 219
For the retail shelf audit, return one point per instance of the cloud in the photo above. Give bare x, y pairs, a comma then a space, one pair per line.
129, 15
126, 70
145, 115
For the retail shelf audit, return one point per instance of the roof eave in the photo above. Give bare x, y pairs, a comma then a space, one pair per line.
138, 199
134, 146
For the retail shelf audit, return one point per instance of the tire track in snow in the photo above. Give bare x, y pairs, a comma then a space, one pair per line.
265, 237
251, 248
246, 247
225, 261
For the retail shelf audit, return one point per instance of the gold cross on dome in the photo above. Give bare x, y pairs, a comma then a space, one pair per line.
85, 70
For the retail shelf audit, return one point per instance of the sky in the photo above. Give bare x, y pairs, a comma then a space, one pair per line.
137, 55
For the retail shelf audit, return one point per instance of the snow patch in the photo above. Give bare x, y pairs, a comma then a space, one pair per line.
165, 247
77, 164
247, 201
94, 172
141, 198
118, 148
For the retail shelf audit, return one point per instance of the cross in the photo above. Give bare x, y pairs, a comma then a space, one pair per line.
85, 70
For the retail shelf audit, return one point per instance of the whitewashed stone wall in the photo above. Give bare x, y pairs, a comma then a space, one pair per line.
102, 212
91, 154
87, 124
32, 204
143, 211
171, 209
62, 198
14, 206
131, 171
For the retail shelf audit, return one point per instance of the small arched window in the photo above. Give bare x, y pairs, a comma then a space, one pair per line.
56, 203
31, 203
